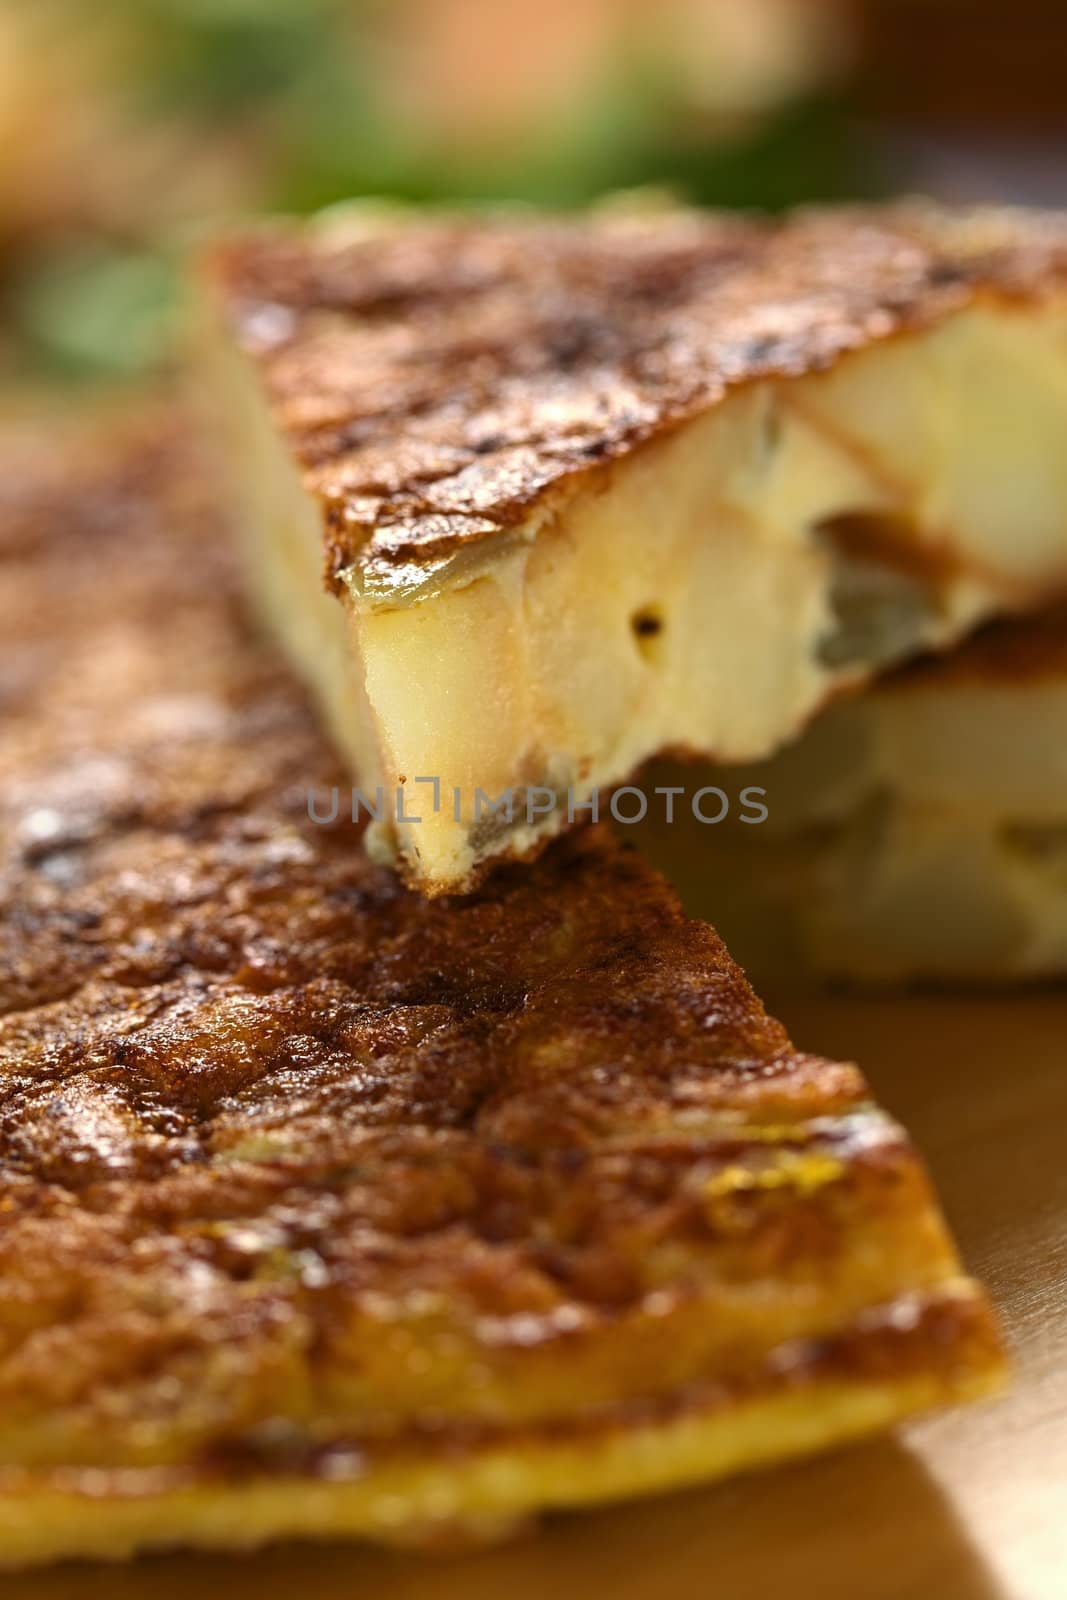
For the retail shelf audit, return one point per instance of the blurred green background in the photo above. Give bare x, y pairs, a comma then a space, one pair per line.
128, 126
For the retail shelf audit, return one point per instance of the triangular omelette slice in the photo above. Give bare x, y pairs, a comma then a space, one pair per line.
586, 490
329, 1210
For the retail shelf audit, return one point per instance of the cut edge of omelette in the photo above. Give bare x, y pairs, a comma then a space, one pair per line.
920, 1352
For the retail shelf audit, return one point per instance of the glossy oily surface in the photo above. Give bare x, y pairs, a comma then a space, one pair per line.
331, 1210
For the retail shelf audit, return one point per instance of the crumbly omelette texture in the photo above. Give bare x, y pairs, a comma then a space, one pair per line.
325, 1209
916, 833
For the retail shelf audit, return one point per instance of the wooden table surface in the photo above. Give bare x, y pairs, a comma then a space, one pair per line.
969, 1506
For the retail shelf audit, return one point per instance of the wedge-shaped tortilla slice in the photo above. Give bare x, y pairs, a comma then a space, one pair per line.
326, 1209
916, 832
584, 491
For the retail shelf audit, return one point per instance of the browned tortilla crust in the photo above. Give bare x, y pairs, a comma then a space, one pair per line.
935, 1337
291, 1159
439, 379
1014, 653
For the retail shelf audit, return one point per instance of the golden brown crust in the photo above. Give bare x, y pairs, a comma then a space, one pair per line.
1018, 652
948, 1335
437, 380
289, 1156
